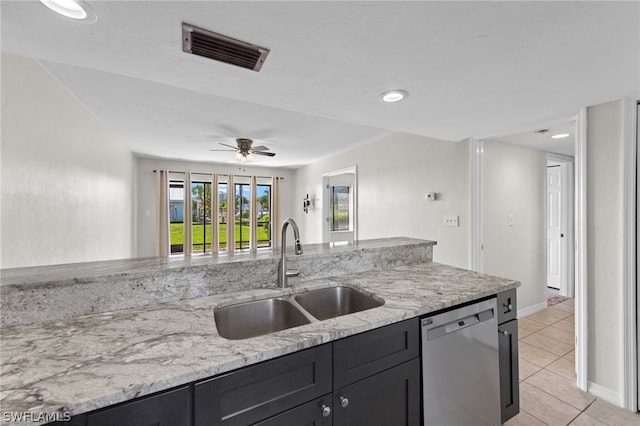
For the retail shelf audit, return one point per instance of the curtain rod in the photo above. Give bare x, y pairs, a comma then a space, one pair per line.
225, 174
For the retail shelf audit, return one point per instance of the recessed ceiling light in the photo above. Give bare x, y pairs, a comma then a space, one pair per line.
73, 9
393, 95
561, 135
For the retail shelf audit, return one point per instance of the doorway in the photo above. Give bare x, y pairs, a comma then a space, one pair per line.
339, 209
493, 220
559, 227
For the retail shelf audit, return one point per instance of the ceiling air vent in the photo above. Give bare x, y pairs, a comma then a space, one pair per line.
222, 48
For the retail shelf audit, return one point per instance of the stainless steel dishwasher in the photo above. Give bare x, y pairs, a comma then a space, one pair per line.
460, 371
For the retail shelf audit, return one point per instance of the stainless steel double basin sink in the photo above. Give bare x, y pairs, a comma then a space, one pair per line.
260, 317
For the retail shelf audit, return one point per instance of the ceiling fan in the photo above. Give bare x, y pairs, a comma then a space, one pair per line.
244, 150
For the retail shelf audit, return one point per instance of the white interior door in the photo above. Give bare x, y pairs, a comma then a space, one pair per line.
556, 228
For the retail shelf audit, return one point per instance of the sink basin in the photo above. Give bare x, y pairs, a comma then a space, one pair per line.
333, 302
256, 318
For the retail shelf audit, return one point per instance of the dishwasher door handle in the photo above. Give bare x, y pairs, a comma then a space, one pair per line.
459, 324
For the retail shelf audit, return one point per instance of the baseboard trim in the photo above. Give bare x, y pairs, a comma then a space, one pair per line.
605, 393
532, 309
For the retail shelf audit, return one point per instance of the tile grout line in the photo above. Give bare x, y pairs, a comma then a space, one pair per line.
553, 396
532, 415
550, 371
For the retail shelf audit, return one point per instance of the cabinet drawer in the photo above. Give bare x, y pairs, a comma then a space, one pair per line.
363, 355
172, 408
389, 398
260, 391
507, 306
309, 414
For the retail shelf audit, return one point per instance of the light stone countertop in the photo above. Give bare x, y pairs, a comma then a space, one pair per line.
93, 361
71, 273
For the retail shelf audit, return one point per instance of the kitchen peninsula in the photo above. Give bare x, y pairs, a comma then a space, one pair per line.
119, 330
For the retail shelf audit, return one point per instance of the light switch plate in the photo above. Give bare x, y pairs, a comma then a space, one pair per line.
451, 221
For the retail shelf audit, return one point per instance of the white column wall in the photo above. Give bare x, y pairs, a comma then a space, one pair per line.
66, 178
604, 255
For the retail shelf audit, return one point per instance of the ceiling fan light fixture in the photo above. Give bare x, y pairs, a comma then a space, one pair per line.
77, 10
561, 135
392, 96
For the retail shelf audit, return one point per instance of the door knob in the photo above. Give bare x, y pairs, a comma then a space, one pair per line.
561, 235
326, 411
344, 402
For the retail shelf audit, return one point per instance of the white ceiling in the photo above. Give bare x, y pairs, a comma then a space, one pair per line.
471, 68
543, 141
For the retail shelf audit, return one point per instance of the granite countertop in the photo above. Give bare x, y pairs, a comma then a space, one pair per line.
29, 277
93, 361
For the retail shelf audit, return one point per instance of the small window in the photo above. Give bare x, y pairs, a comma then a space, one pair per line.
201, 217
263, 215
339, 206
176, 216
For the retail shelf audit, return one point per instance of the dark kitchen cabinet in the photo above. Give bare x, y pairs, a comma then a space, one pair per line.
391, 397
260, 391
508, 355
376, 382
168, 408
318, 412
360, 356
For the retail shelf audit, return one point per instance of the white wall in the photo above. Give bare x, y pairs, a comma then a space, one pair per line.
604, 234
66, 178
147, 226
513, 183
394, 174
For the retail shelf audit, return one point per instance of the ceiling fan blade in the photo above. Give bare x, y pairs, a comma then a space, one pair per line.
230, 146
268, 154
225, 150
260, 148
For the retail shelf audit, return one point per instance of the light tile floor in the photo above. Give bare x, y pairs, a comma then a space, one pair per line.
548, 392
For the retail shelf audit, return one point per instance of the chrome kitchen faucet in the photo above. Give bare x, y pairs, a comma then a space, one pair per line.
283, 273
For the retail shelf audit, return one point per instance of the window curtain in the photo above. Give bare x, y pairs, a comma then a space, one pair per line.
215, 207
275, 211
162, 189
231, 214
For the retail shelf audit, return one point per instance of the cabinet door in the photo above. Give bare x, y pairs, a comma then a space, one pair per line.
509, 383
318, 412
171, 408
388, 398
263, 390
363, 355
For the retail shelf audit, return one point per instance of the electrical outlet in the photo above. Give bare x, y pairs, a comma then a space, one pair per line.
147, 213
451, 221
510, 220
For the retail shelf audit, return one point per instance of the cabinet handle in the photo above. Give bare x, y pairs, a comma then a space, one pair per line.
344, 402
326, 411
509, 306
